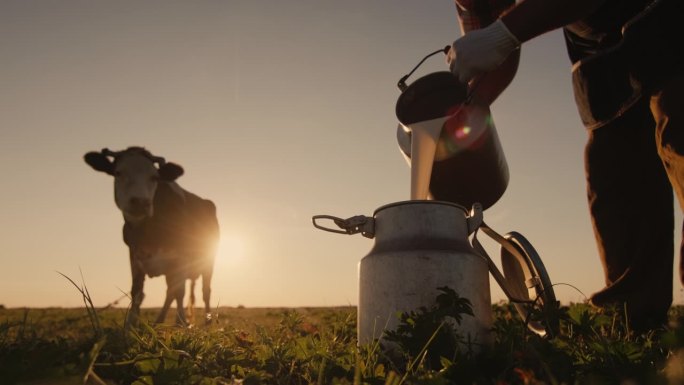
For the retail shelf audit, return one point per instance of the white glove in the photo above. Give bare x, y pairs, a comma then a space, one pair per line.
481, 50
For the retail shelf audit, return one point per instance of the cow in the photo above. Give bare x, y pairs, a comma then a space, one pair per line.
168, 230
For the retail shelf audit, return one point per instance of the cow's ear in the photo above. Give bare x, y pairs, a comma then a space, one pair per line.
170, 172
99, 162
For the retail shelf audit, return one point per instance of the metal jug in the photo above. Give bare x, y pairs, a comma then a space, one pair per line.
469, 163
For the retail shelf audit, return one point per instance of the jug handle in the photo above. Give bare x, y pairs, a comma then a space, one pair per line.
356, 224
402, 82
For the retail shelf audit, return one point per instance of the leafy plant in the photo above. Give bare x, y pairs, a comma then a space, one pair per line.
425, 335
319, 346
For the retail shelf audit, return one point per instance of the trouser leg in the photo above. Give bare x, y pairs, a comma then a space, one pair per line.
631, 205
667, 107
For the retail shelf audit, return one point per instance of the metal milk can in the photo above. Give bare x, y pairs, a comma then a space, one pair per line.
421, 246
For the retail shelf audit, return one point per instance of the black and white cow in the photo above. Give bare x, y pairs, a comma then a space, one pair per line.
169, 231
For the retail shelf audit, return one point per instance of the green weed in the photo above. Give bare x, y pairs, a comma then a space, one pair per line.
318, 346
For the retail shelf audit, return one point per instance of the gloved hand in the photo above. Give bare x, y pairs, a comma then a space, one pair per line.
481, 50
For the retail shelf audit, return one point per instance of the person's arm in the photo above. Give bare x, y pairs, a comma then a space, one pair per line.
471, 16
483, 50
531, 18
487, 87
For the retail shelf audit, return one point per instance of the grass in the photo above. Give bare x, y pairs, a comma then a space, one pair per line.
318, 346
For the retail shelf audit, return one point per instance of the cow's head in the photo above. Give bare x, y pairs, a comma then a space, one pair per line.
136, 173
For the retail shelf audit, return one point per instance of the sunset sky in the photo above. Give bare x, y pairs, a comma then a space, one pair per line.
278, 111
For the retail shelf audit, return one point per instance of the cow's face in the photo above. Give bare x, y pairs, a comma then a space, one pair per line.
135, 178
135, 182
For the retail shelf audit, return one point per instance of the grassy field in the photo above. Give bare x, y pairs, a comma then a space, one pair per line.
318, 346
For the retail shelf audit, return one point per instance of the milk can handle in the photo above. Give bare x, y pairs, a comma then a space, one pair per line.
500, 279
475, 218
356, 224
535, 277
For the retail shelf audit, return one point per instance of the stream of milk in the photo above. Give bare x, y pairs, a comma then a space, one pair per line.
424, 137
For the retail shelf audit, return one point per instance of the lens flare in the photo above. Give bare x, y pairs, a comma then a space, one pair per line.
462, 132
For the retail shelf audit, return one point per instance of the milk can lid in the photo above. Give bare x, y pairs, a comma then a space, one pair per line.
528, 279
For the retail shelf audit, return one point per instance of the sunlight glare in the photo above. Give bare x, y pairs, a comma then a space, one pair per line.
231, 248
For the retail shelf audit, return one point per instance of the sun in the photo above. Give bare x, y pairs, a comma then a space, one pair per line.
231, 248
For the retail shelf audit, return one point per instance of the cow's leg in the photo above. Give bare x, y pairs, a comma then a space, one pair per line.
175, 290
206, 295
191, 305
167, 301
137, 294
179, 294
175, 286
